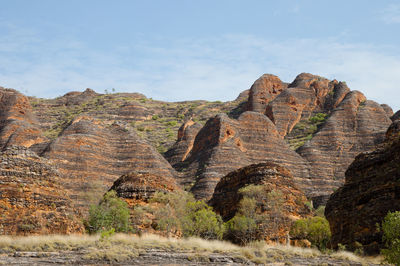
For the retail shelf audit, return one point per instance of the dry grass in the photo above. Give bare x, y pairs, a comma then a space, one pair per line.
122, 247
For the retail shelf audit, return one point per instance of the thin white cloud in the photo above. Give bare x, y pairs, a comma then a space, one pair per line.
391, 14
174, 70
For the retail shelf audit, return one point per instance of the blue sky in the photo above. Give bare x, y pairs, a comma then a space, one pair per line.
184, 50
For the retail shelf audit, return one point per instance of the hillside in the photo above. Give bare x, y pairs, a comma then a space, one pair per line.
314, 127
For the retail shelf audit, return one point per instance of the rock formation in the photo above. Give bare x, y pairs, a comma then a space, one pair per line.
224, 145
396, 116
264, 89
139, 187
348, 124
183, 146
306, 95
95, 138
91, 155
355, 126
371, 189
31, 197
271, 176
17, 122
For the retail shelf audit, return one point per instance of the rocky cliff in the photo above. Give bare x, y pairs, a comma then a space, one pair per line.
355, 126
226, 198
313, 126
325, 122
371, 189
263, 90
139, 187
18, 125
271, 177
184, 144
32, 200
224, 145
91, 155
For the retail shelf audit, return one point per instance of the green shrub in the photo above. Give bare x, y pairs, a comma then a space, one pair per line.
318, 118
241, 229
260, 213
391, 237
315, 229
201, 221
171, 123
111, 213
155, 117
180, 212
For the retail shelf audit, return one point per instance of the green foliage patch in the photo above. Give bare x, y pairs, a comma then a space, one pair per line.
314, 229
391, 237
111, 214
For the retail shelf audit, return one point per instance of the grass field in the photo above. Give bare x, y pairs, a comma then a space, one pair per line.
123, 247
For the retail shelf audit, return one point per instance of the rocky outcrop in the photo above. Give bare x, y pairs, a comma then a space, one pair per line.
17, 122
272, 177
355, 126
388, 109
394, 131
396, 116
139, 187
332, 125
306, 95
91, 155
371, 189
184, 144
77, 98
264, 89
32, 201
226, 197
224, 145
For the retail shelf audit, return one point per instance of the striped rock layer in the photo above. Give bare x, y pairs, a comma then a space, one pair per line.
371, 190
91, 155
32, 200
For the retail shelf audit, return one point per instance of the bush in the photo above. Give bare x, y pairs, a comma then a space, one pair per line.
315, 229
391, 237
241, 229
111, 213
201, 221
318, 118
181, 213
171, 123
260, 213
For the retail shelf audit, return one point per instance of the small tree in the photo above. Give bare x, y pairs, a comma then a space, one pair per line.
315, 229
111, 213
201, 221
391, 237
180, 213
260, 213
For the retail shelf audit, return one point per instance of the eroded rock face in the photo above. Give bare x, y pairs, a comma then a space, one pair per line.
388, 109
32, 201
184, 144
139, 187
396, 116
271, 176
355, 126
224, 145
306, 95
350, 124
372, 188
17, 123
264, 89
91, 155
77, 98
